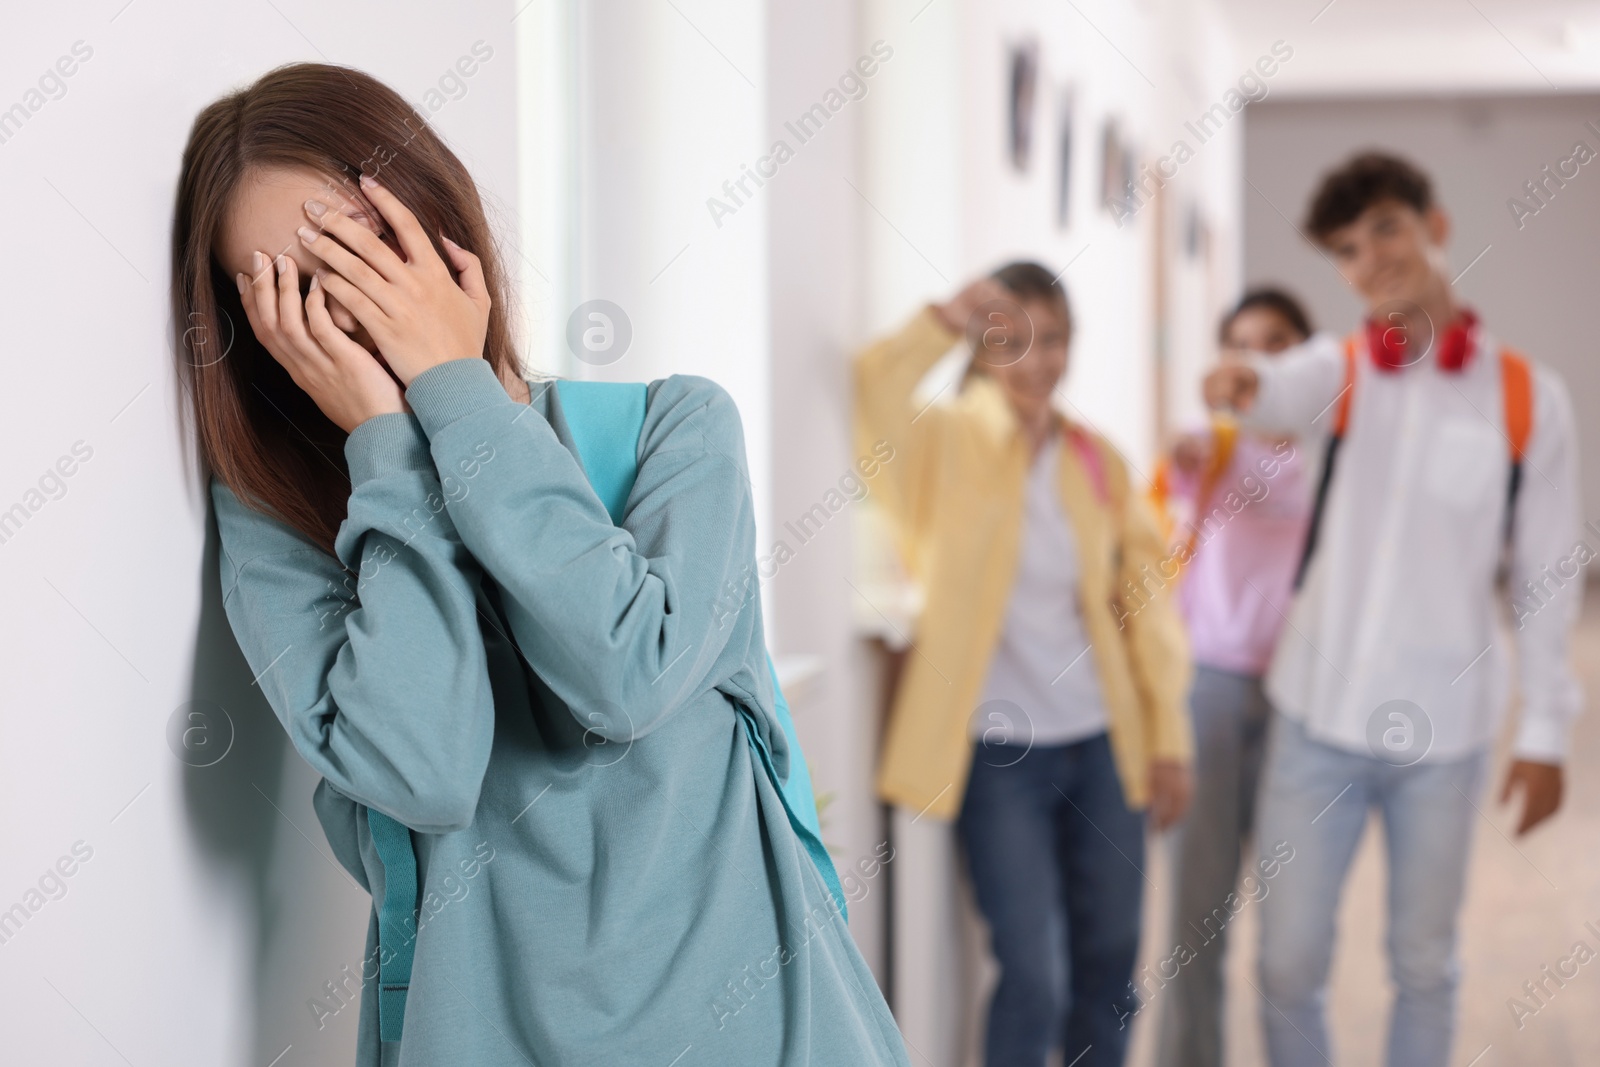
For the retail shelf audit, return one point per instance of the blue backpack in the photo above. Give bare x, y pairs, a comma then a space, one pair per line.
606, 419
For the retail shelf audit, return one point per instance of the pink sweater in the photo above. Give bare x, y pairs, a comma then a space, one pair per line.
1235, 592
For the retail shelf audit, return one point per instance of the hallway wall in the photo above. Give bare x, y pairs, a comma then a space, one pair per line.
166, 893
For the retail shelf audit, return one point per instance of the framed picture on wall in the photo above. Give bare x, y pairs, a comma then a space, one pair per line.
1110, 162
1127, 156
1064, 118
1118, 162
1024, 77
1196, 234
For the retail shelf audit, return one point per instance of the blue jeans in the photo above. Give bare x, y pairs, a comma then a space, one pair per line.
1055, 858
1316, 798
1230, 726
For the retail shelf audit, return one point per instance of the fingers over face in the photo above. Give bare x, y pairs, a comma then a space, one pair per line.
321, 327
413, 240
470, 268
368, 313
287, 278
376, 288
357, 238
262, 293
291, 312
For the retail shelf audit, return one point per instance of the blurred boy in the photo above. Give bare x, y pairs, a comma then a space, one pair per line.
1390, 680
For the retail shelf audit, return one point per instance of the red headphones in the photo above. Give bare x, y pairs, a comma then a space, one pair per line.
1389, 347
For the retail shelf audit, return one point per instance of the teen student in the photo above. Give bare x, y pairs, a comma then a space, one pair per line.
1042, 711
494, 680
1446, 451
1247, 499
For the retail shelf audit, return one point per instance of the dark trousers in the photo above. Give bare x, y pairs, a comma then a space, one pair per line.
1230, 726
1056, 860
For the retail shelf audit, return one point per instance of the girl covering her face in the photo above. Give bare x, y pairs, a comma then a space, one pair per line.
549, 746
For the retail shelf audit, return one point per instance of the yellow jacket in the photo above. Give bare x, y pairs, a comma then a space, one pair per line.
954, 495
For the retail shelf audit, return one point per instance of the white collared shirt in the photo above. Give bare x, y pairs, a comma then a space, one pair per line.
1398, 602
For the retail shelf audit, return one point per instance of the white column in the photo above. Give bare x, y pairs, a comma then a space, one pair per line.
545, 261
911, 145
671, 103
911, 211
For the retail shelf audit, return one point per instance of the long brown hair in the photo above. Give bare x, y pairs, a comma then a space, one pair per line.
259, 433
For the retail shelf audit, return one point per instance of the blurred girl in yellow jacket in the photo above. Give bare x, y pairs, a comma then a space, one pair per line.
1043, 708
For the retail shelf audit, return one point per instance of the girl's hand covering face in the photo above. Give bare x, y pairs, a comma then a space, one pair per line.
344, 380
414, 310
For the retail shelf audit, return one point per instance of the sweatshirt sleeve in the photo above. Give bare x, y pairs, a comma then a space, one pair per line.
886, 376
625, 623
373, 660
1297, 388
1546, 578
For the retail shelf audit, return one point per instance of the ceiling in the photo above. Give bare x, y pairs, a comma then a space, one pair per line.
1361, 47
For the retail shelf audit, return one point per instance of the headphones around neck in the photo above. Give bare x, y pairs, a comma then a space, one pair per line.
1391, 349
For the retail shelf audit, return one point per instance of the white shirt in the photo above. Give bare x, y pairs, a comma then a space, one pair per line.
1399, 602
1042, 687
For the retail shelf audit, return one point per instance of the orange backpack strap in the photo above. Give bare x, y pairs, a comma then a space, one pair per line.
1224, 432
1516, 390
1341, 412
1224, 435
1516, 394
1159, 494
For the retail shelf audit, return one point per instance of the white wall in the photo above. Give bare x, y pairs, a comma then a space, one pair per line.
210, 910
1534, 286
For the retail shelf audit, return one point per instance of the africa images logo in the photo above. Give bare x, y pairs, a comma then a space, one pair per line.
1399, 733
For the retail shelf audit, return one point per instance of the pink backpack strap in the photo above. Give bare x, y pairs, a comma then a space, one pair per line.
1092, 462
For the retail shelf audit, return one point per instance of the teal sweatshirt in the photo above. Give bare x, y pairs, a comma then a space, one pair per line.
551, 703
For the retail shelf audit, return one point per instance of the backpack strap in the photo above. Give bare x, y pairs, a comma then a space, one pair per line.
397, 920
1516, 393
1341, 411
799, 802
1092, 462
606, 420
1341, 419
1159, 494
1224, 436
1107, 473
1516, 387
